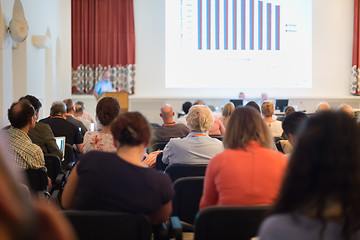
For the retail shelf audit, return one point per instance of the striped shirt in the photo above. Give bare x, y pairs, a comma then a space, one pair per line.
26, 154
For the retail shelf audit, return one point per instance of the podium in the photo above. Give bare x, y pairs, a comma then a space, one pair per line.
122, 97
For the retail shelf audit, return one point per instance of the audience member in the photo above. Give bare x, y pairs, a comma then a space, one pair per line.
79, 112
267, 110
22, 217
197, 147
128, 185
217, 127
82, 114
169, 129
226, 113
185, 107
41, 134
264, 97
247, 173
319, 196
104, 85
288, 110
291, 125
107, 110
323, 106
25, 153
70, 109
253, 105
346, 109
63, 128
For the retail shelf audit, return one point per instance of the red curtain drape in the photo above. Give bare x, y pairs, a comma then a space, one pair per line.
355, 83
103, 37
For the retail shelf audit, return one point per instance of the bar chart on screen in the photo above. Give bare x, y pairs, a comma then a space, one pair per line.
233, 39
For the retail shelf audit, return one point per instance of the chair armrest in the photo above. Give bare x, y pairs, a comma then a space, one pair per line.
60, 179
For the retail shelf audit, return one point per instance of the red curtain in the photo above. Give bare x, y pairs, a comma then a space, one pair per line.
355, 83
103, 38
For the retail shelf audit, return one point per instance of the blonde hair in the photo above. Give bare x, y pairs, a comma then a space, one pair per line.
200, 118
228, 110
246, 125
267, 108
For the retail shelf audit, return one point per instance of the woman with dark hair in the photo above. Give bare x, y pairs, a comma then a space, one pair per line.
248, 172
119, 181
107, 110
319, 198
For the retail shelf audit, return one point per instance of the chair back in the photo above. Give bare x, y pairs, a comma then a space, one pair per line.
53, 165
230, 222
188, 192
69, 156
159, 145
176, 170
37, 180
109, 225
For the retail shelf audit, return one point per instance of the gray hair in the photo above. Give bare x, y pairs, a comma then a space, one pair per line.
200, 118
57, 108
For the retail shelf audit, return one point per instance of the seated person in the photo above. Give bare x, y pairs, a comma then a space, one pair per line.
70, 109
107, 110
323, 106
226, 113
291, 125
267, 110
346, 109
248, 172
82, 115
42, 134
217, 128
253, 105
169, 129
63, 128
197, 147
185, 107
119, 181
319, 196
21, 216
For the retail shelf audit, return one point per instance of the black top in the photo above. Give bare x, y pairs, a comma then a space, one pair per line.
107, 182
61, 127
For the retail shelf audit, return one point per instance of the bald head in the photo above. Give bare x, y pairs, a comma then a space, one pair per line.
347, 109
167, 113
106, 75
323, 106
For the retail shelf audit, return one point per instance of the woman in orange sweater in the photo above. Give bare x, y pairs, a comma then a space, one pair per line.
247, 172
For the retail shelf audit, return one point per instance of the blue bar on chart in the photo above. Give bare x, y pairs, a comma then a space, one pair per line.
217, 24
251, 24
208, 8
277, 27
269, 26
234, 24
199, 24
226, 24
260, 22
243, 22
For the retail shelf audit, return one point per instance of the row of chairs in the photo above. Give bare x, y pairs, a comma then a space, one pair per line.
213, 223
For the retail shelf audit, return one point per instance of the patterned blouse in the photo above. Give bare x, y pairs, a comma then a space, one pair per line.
98, 141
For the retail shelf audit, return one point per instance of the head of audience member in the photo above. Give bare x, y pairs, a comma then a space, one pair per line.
289, 109
291, 125
79, 111
246, 125
347, 109
323, 106
228, 109
21, 115
70, 108
106, 76
264, 96
267, 109
167, 113
34, 102
131, 129
242, 95
322, 180
186, 107
107, 109
199, 102
200, 118
254, 105
58, 109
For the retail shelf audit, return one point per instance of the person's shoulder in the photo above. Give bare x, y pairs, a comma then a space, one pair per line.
275, 224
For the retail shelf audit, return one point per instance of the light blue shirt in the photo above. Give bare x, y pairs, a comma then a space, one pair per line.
193, 149
103, 86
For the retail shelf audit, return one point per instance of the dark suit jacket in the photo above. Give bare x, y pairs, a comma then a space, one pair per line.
77, 123
42, 136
